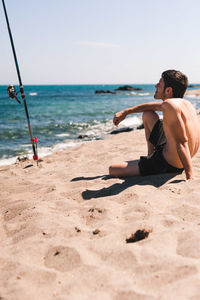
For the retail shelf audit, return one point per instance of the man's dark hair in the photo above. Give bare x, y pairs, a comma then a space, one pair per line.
177, 81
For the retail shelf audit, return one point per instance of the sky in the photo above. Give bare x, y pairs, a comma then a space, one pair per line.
99, 41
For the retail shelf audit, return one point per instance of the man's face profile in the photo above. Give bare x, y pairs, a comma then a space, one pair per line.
160, 91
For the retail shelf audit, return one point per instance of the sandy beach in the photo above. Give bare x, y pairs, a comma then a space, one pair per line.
64, 225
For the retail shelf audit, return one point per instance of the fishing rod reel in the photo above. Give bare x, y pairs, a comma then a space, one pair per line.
12, 93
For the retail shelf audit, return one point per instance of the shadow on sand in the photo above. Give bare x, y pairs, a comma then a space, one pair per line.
115, 189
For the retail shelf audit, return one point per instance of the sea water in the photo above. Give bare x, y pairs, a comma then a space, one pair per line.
63, 116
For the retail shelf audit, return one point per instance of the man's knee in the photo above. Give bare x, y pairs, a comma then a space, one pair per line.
112, 171
124, 169
149, 115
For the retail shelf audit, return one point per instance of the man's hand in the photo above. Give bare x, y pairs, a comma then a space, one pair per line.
118, 117
189, 176
189, 180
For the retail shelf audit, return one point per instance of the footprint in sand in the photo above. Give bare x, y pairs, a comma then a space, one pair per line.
163, 273
14, 211
187, 213
136, 212
92, 215
169, 221
62, 258
121, 259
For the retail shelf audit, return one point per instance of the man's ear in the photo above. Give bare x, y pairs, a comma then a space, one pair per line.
169, 92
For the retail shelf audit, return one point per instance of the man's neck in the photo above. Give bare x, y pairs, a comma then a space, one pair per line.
164, 98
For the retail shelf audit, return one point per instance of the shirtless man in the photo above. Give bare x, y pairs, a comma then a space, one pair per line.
172, 142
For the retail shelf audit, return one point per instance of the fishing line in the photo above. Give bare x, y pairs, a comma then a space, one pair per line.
11, 89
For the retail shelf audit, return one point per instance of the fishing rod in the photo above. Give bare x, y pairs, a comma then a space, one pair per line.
11, 89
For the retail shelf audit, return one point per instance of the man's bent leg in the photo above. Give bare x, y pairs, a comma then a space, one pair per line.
125, 169
149, 118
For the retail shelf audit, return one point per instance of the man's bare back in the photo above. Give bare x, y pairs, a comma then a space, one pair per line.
181, 123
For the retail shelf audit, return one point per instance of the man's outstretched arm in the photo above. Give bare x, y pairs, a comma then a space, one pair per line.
120, 116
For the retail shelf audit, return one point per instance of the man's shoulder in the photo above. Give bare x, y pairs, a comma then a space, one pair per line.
172, 104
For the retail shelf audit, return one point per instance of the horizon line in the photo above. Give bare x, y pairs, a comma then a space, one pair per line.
192, 83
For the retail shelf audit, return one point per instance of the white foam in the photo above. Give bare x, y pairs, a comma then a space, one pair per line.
42, 152
62, 146
62, 134
26, 145
100, 130
144, 94
8, 161
32, 94
130, 93
131, 122
45, 151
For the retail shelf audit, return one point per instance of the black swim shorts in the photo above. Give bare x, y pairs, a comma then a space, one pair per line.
156, 164
157, 136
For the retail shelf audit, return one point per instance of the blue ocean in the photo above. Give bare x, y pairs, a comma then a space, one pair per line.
64, 116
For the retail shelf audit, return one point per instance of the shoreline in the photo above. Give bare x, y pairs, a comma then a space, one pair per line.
64, 226
131, 123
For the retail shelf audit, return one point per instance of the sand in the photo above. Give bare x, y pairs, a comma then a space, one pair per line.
64, 226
